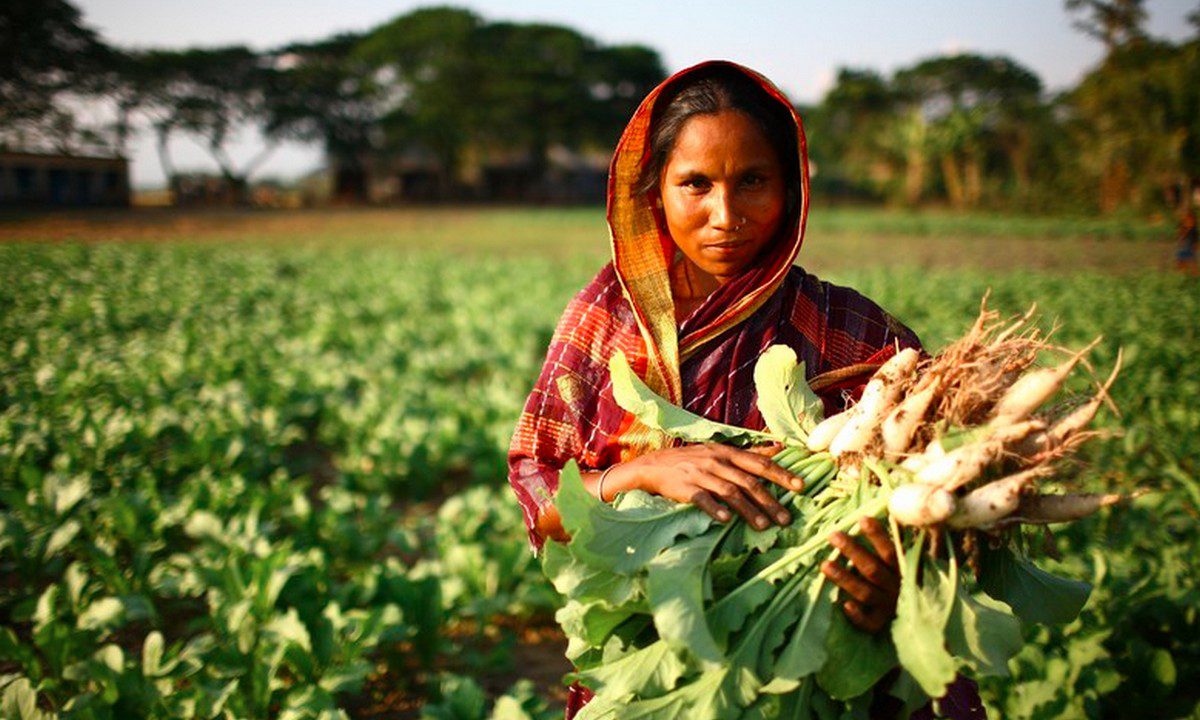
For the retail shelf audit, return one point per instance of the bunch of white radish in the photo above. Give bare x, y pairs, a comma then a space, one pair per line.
671, 614
966, 432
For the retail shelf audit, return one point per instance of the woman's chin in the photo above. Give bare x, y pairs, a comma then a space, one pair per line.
725, 264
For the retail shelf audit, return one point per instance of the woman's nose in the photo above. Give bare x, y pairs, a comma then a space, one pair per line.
724, 215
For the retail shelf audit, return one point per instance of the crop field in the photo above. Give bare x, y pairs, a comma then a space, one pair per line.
252, 464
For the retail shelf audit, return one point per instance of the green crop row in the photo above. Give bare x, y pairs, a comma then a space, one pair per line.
256, 482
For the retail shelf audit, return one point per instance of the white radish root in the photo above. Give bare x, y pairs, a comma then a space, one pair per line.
878, 398
902, 423
989, 503
1047, 509
920, 505
1081, 416
963, 464
1035, 388
825, 431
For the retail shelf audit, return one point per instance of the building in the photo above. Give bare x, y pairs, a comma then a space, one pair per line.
34, 180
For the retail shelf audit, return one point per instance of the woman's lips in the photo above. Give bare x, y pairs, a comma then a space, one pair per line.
727, 246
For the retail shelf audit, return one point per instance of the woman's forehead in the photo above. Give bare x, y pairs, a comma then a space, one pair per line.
725, 137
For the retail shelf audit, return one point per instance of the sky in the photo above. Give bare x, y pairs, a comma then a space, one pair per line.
799, 44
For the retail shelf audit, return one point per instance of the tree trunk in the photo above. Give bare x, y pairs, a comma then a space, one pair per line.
349, 183
1018, 160
1114, 186
972, 180
953, 179
914, 176
163, 135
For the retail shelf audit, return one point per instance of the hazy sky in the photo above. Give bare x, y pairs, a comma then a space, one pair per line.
798, 44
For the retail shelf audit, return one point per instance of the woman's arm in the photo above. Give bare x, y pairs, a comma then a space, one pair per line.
700, 474
716, 478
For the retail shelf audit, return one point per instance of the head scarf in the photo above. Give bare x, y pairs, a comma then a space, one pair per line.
643, 251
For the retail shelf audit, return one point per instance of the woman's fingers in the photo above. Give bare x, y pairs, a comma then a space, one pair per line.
855, 586
768, 450
731, 494
864, 619
880, 540
755, 489
866, 563
759, 466
706, 502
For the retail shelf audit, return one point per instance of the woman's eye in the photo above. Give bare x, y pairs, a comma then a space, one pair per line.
753, 181
695, 184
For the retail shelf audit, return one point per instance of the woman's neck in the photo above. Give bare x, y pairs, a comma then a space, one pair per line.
690, 286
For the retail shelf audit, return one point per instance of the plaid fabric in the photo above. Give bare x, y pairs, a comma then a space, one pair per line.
571, 413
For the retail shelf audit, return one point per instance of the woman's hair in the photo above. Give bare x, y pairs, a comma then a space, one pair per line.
708, 92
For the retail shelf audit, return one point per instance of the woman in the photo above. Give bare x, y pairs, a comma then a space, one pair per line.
707, 201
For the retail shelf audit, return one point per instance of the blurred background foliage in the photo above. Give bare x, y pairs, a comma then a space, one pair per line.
446, 105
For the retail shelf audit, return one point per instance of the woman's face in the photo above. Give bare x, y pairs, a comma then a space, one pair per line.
723, 192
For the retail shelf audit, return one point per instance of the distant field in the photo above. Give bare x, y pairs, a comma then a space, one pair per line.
836, 238
254, 461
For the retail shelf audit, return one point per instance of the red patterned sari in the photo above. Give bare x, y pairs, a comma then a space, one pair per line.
704, 363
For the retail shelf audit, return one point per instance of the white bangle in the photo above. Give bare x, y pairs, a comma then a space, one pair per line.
600, 482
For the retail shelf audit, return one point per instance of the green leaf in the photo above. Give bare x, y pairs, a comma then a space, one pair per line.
310, 703
204, 525
346, 678
152, 651
111, 657
654, 411
984, 632
720, 694
592, 622
46, 611
755, 647
1162, 672
855, 660
622, 540
918, 630
62, 494
805, 651
675, 589
288, 628
75, 579
61, 537
579, 581
729, 614
19, 701
1034, 594
789, 407
647, 672
461, 699
102, 613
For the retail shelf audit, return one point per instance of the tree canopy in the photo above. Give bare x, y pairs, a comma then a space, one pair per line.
445, 94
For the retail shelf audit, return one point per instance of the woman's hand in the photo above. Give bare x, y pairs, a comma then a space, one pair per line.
873, 583
715, 478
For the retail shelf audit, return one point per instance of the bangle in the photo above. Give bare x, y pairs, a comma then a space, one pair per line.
600, 482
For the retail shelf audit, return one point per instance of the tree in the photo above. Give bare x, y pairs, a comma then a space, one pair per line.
852, 142
324, 92
535, 88
47, 55
546, 85
462, 88
975, 107
1115, 22
618, 77
428, 60
211, 94
1137, 123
